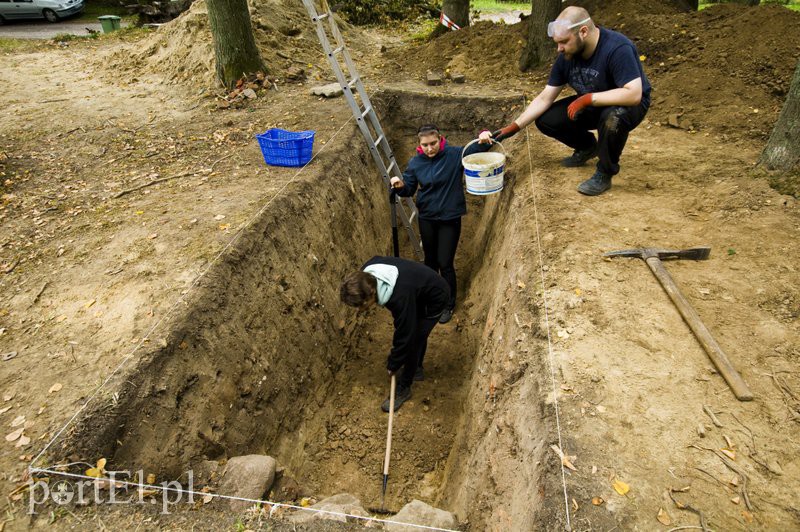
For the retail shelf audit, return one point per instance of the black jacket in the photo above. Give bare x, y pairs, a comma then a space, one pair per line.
419, 293
440, 181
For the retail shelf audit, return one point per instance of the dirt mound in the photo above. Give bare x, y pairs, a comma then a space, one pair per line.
707, 69
183, 50
484, 52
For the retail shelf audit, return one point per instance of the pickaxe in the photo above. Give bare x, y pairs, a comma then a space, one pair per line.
653, 258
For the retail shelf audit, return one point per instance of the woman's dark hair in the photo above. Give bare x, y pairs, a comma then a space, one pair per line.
358, 288
427, 129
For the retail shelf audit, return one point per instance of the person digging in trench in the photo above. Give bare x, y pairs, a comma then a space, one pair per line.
435, 174
613, 96
416, 296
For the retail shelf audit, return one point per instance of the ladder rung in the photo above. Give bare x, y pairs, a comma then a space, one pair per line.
352, 83
367, 111
378, 141
389, 170
322, 16
337, 50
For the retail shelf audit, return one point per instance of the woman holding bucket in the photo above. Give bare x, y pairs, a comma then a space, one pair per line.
435, 175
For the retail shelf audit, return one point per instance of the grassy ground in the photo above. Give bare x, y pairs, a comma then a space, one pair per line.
8, 45
91, 12
490, 6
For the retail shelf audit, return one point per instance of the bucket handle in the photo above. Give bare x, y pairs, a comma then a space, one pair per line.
470, 143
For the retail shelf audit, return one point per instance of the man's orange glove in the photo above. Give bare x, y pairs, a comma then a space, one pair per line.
580, 103
506, 132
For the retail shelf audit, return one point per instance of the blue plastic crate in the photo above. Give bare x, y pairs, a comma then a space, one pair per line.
286, 148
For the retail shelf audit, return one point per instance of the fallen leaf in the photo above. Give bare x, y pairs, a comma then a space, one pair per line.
597, 501
98, 471
23, 440
61, 318
521, 285
663, 517
594, 469
151, 479
562, 334
736, 500
9, 355
19, 420
575, 504
152, 236
55, 388
219, 217
14, 435
9, 396
89, 303
207, 499
305, 502
620, 487
6, 409
747, 516
578, 291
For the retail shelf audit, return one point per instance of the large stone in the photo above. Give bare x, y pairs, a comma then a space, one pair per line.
247, 476
331, 90
343, 503
418, 513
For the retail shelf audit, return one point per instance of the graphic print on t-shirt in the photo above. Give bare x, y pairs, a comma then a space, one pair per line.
583, 79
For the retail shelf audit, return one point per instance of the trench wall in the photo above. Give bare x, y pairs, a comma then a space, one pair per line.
256, 347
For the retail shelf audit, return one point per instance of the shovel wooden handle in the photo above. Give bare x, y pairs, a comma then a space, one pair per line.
690, 316
389, 430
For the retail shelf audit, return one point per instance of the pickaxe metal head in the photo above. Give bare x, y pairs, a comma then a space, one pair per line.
697, 253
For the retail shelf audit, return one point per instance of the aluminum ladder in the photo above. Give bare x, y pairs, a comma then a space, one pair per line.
366, 117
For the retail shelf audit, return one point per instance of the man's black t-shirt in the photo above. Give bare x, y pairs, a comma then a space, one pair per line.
614, 63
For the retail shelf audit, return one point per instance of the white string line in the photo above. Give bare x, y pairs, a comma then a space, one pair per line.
547, 318
234, 498
185, 293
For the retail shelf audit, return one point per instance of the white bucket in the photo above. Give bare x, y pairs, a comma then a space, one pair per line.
484, 171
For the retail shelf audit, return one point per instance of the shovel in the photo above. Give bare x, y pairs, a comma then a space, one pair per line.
382, 509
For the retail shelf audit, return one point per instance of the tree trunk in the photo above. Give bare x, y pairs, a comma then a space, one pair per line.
539, 48
234, 44
782, 151
457, 11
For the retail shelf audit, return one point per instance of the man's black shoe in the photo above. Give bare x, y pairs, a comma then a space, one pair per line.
579, 157
402, 395
595, 185
419, 375
446, 316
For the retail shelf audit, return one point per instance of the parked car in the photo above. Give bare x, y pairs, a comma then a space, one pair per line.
52, 10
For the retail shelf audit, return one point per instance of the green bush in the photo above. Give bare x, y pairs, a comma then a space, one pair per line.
362, 12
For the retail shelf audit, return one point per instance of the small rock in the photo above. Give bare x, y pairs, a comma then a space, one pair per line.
458, 78
249, 93
418, 513
674, 121
249, 477
433, 79
296, 73
331, 90
342, 503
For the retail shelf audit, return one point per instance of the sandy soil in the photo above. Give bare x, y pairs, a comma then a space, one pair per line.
91, 280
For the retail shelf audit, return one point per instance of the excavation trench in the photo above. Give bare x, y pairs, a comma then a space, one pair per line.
265, 360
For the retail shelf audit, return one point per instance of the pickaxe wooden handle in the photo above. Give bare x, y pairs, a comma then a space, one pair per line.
653, 259
715, 353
